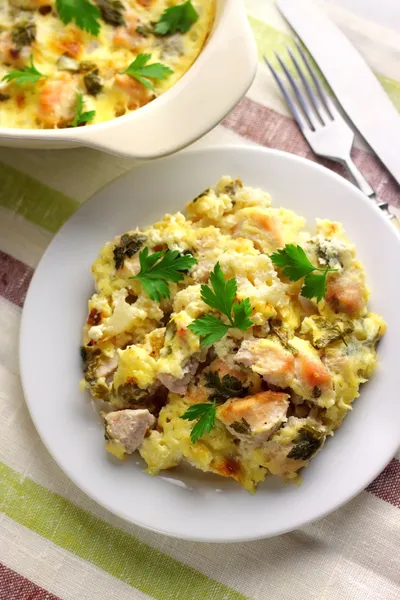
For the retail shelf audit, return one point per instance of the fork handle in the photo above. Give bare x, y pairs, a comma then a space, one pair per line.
358, 178
362, 184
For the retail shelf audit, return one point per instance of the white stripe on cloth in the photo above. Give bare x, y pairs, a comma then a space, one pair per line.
21, 239
56, 570
10, 316
359, 538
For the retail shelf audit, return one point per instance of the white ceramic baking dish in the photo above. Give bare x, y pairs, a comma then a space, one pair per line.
195, 104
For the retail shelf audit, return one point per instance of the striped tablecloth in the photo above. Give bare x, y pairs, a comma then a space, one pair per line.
54, 541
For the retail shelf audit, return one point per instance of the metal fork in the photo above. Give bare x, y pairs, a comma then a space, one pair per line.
321, 123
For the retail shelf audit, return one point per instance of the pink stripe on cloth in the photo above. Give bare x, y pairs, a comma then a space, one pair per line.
15, 278
15, 587
268, 128
387, 485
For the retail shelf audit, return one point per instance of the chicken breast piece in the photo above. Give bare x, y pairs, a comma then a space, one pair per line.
179, 386
254, 418
347, 295
269, 359
58, 101
125, 430
107, 366
312, 378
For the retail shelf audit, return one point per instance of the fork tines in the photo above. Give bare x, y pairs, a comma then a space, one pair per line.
309, 108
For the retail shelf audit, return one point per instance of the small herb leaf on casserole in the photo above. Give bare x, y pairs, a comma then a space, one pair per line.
177, 18
295, 265
222, 298
160, 267
23, 33
306, 444
85, 14
127, 247
211, 328
241, 426
227, 387
111, 11
28, 74
205, 413
93, 82
143, 72
80, 116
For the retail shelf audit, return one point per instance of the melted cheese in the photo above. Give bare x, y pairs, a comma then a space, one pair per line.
51, 102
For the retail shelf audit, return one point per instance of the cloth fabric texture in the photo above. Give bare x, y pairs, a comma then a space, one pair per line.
56, 543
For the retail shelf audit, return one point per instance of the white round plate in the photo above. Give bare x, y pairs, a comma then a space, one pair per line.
187, 503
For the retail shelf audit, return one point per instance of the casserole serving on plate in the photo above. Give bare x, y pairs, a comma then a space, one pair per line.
178, 102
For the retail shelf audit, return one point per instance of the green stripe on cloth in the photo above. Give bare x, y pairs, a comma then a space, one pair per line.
269, 39
33, 200
109, 548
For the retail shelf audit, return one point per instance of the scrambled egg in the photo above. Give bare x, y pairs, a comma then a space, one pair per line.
281, 387
77, 62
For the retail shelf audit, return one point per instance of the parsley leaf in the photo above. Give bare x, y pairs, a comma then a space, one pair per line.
314, 285
158, 268
85, 14
222, 298
142, 72
210, 327
80, 116
241, 312
227, 387
28, 74
206, 414
224, 292
294, 264
177, 18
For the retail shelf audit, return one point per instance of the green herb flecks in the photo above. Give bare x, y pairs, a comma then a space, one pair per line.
227, 387
282, 336
306, 444
111, 11
242, 427
23, 33
127, 247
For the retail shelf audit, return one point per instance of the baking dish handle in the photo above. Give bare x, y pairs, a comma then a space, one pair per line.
200, 100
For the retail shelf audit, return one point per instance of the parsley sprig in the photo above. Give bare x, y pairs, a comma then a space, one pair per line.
222, 298
81, 117
205, 413
160, 267
177, 18
85, 14
295, 265
143, 72
28, 74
